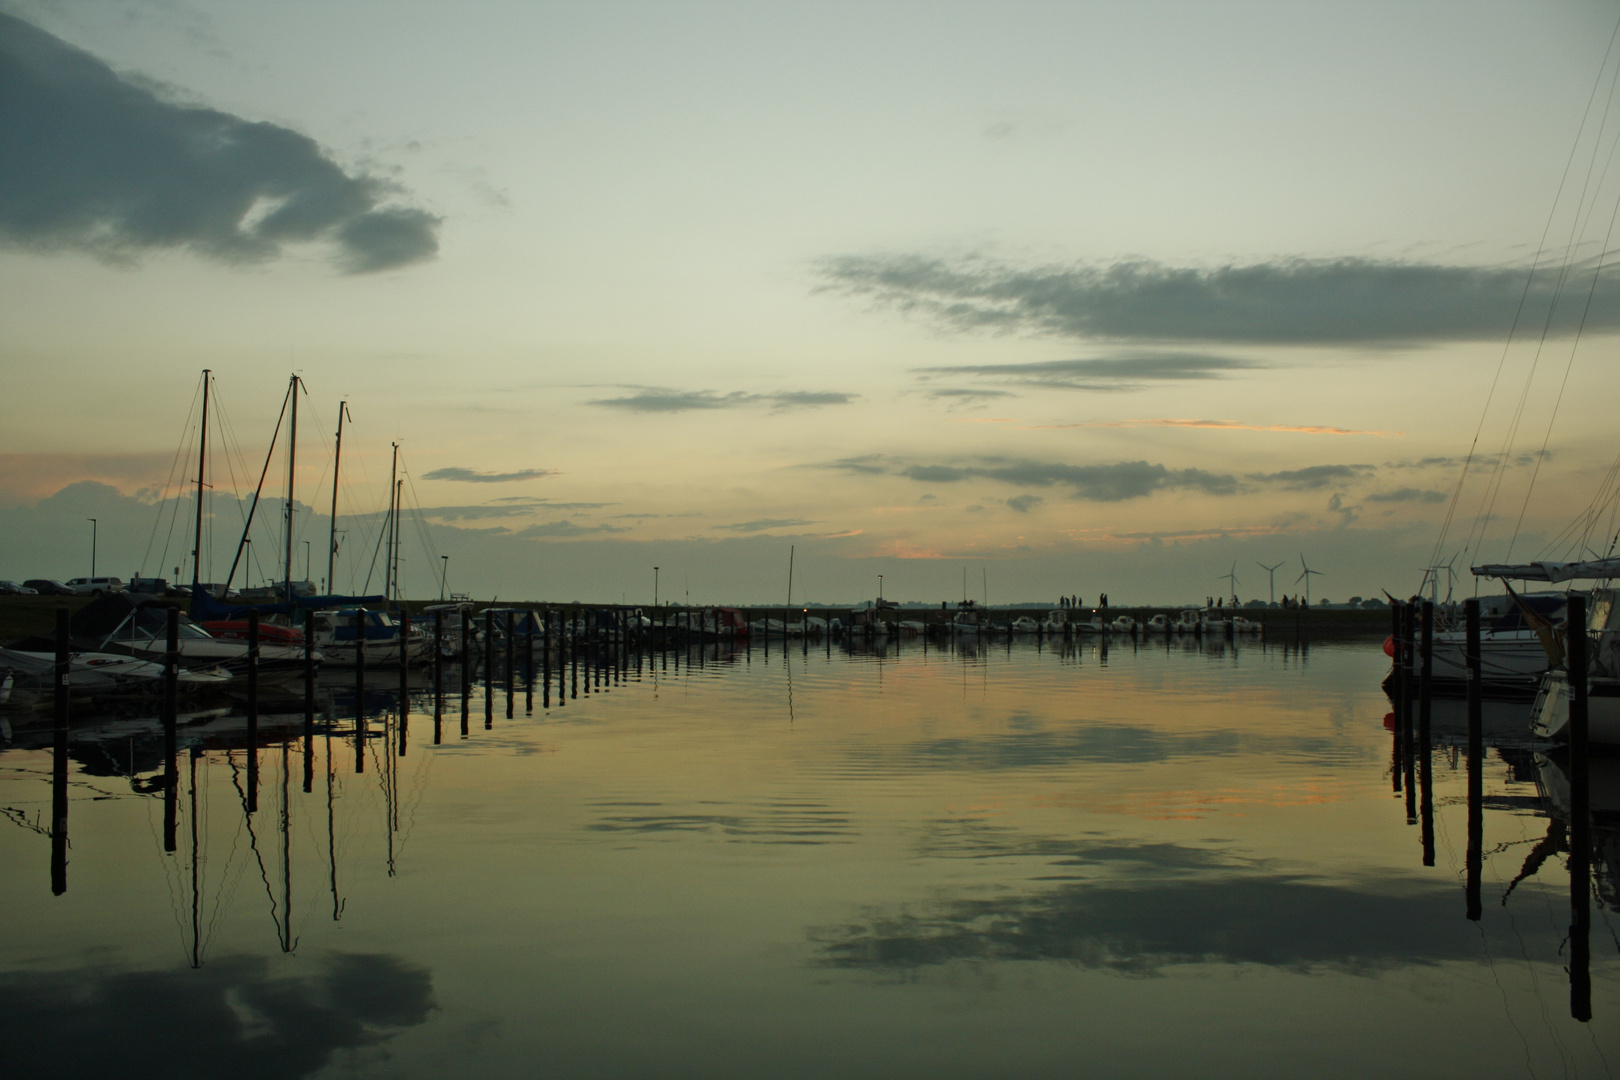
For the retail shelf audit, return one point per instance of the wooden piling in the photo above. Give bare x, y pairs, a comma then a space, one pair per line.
171, 766
489, 669
404, 686
1476, 752
253, 711
1580, 814
1426, 761
359, 690
59, 754
1406, 649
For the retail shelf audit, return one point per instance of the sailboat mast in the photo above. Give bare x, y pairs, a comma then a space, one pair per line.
399, 505
292, 464
393, 488
331, 544
202, 461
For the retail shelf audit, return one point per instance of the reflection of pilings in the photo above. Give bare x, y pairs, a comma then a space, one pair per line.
171, 766
253, 711
309, 700
1476, 752
59, 757
1580, 817
1426, 762
552, 639
360, 690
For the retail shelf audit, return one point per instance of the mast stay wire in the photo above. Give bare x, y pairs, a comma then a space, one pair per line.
168, 485
1541, 247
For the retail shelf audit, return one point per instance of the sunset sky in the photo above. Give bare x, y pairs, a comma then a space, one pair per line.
1053, 297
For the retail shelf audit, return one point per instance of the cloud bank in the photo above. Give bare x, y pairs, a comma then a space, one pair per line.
95, 163
1291, 301
1127, 371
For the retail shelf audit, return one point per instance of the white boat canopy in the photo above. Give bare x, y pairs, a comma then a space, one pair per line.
1551, 571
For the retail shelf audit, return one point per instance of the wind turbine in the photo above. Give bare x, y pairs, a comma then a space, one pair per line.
1305, 576
1272, 572
1232, 579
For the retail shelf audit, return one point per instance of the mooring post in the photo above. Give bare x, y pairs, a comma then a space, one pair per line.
1397, 682
511, 651
466, 665
171, 693
438, 677
359, 690
309, 700
1580, 814
59, 754
253, 711
1407, 650
1476, 751
1426, 761
404, 688
528, 663
489, 669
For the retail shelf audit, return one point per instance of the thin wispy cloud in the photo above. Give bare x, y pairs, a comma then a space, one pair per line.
566, 528
506, 508
763, 524
1402, 495
1286, 301
656, 399
473, 476
1129, 371
96, 163
1234, 425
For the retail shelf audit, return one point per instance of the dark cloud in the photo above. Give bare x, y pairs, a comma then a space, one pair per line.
1313, 477
1285, 301
654, 399
1408, 495
95, 163
568, 528
475, 477
1024, 503
764, 523
865, 464
935, 474
230, 1019
1122, 372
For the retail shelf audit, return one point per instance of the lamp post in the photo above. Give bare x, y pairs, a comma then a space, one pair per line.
655, 586
306, 560
93, 528
880, 587
444, 577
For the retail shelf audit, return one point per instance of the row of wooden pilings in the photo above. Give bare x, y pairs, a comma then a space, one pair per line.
1412, 631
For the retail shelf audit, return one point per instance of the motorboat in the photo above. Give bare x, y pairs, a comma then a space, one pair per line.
1024, 625
104, 673
1189, 621
385, 638
1158, 624
120, 623
1122, 624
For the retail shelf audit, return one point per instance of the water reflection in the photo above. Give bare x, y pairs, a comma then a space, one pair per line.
234, 1019
651, 831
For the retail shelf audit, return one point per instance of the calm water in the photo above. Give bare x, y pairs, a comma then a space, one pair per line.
1017, 862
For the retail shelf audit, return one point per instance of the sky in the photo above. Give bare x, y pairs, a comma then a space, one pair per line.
1008, 300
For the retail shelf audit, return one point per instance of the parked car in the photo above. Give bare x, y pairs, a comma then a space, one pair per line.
95, 586
11, 588
48, 587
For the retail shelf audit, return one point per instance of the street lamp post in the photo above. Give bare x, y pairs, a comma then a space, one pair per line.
880, 586
306, 560
444, 577
93, 528
655, 586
